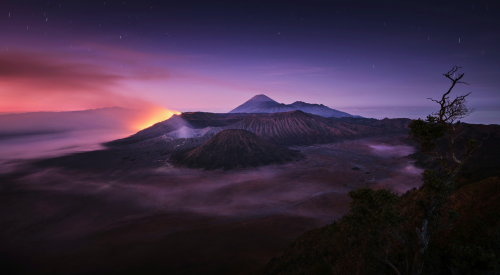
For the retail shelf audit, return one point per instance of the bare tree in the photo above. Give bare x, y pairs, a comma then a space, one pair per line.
451, 111
439, 184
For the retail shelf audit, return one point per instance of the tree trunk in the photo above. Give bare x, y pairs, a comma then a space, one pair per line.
417, 263
423, 237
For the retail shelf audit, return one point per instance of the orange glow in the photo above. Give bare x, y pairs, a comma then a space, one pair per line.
155, 115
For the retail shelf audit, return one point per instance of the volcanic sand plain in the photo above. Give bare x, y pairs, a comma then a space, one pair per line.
172, 220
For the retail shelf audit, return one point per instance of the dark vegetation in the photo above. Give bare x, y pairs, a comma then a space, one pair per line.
441, 228
230, 149
484, 163
471, 246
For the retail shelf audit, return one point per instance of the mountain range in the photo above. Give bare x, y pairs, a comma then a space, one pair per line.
264, 104
266, 122
286, 128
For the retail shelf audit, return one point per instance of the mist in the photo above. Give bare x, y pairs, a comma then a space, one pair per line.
47, 211
292, 188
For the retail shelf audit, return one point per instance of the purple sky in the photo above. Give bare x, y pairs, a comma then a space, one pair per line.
369, 58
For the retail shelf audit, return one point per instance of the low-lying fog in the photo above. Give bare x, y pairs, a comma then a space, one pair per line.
263, 209
16, 149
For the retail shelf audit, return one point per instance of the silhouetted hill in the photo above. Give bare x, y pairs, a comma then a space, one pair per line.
264, 104
231, 149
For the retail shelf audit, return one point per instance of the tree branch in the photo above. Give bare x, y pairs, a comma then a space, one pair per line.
386, 260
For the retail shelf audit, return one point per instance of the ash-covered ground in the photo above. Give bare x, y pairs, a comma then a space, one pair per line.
171, 220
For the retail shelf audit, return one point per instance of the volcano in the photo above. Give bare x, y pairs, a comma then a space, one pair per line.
230, 149
257, 104
264, 104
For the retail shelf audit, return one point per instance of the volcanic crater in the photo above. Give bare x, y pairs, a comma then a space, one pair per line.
234, 148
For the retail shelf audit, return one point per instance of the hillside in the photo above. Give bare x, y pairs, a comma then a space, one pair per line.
471, 246
231, 149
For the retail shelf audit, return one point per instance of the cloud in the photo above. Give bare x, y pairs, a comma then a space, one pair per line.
40, 68
33, 81
53, 75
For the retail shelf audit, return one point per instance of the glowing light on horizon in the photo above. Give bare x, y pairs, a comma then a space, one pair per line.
156, 115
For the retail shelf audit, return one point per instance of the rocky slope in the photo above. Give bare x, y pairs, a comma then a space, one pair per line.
299, 128
231, 149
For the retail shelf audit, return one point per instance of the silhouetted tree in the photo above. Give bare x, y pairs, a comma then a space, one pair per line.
373, 214
439, 184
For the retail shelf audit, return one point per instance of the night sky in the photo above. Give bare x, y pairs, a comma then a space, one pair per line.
370, 58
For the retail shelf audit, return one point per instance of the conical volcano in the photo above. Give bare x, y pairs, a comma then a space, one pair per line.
230, 149
255, 105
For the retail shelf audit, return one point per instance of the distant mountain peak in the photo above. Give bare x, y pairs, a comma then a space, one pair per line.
254, 104
263, 104
261, 98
